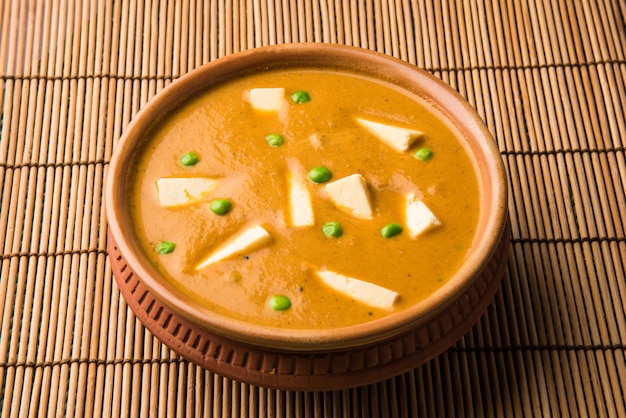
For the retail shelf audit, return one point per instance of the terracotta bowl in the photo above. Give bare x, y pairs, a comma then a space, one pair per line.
310, 359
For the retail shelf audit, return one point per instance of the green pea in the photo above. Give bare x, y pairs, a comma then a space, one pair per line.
423, 154
279, 303
165, 247
320, 174
332, 229
275, 140
220, 206
391, 230
300, 97
189, 159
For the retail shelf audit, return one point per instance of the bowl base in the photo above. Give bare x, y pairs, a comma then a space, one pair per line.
311, 371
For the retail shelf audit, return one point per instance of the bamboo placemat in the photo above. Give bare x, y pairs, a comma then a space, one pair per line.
547, 76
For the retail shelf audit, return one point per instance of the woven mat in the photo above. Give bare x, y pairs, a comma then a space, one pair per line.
547, 77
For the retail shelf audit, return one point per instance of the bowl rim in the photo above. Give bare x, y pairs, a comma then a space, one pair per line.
444, 99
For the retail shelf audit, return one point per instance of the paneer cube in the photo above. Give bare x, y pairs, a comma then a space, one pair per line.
398, 138
267, 99
419, 218
351, 194
365, 292
300, 205
181, 191
245, 242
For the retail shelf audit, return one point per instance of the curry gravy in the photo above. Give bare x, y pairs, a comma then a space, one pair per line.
228, 135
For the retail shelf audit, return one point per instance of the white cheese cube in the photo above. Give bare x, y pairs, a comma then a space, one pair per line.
365, 292
267, 99
419, 218
300, 206
350, 193
398, 138
245, 242
180, 191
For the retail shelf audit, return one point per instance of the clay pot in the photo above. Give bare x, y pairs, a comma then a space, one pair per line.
313, 359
